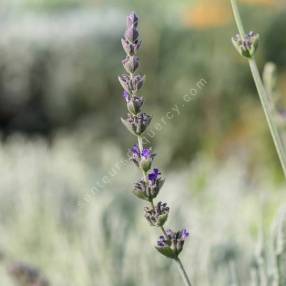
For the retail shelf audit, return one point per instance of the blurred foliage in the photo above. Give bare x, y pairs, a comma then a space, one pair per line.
60, 60
53, 217
274, 43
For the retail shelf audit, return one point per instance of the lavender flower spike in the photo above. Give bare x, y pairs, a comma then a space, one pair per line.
170, 243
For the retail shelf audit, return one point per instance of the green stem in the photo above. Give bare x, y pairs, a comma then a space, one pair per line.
164, 231
266, 105
183, 272
237, 18
264, 97
140, 143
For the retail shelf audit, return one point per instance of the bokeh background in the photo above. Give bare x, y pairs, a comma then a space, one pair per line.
65, 204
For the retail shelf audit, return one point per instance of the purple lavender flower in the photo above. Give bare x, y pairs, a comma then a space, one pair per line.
161, 242
185, 234
148, 191
126, 96
172, 244
146, 159
135, 151
142, 159
147, 153
154, 176
134, 154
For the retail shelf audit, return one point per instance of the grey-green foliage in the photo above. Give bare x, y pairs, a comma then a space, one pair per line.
279, 247
260, 273
223, 261
268, 265
270, 77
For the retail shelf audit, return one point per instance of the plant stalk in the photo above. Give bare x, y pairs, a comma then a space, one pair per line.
263, 95
237, 18
183, 272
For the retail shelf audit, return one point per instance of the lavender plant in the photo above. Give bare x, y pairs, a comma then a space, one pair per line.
170, 242
246, 44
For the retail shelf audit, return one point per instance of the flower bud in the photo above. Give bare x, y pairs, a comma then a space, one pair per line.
164, 246
131, 63
130, 48
246, 45
150, 189
131, 34
141, 159
172, 244
125, 82
146, 159
131, 85
132, 20
137, 124
137, 82
158, 215
134, 103
155, 183
140, 190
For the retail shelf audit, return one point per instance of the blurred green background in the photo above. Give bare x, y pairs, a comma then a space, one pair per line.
60, 109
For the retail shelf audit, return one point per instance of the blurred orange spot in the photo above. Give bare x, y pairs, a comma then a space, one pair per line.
207, 15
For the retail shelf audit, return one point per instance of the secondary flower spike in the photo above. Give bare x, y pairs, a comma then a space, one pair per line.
246, 45
148, 187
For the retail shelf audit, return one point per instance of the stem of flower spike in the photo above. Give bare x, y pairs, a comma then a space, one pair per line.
263, 95
183, 272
